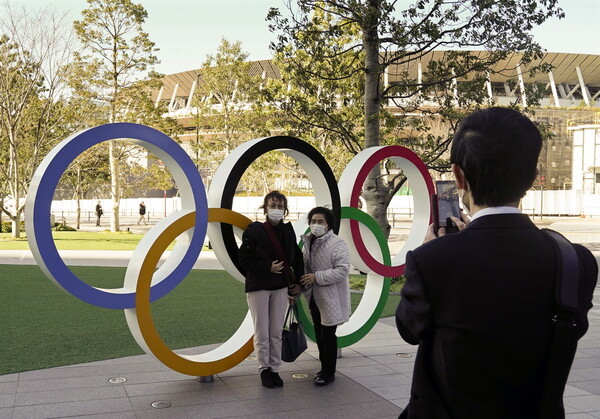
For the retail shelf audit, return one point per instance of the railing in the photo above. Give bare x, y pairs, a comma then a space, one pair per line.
152, 216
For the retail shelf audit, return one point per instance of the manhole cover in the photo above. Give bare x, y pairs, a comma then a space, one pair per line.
117, 380
299, 375
162, 404
403, 355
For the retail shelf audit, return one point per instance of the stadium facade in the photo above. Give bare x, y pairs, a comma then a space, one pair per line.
572, 100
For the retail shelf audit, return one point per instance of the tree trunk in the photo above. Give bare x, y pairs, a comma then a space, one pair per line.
16, 226
375, 191
115, 186
78, 198
15, 181
78, 221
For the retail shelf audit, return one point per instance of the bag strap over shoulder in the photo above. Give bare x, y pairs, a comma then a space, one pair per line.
564, 338
567, 286
276, 244
279, 250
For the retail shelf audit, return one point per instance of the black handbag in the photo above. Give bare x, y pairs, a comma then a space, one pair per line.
293, 340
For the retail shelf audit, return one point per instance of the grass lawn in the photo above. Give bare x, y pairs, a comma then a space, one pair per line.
43, 326
78, 240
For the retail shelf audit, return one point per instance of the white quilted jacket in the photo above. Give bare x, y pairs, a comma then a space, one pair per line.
329, 260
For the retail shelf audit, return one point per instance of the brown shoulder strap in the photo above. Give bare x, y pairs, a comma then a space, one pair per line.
276, 244
279, 250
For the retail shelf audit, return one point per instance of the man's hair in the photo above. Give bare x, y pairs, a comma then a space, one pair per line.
497, 150
275, 196
326, 212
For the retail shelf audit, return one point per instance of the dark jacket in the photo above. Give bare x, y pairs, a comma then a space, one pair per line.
479, 304
257, 253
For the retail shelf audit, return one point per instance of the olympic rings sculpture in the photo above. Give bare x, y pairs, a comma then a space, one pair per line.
212, 212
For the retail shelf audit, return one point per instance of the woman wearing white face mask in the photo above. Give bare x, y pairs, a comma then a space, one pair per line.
272, 260
327, 264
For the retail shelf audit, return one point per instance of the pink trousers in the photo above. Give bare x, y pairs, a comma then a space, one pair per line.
268, 310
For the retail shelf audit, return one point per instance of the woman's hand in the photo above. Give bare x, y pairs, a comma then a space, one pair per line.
294, 290
308, 279
276, 267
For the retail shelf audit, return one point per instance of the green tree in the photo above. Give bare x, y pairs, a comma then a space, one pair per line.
324, 110
227, 109
115, 67
336, 40
35, 112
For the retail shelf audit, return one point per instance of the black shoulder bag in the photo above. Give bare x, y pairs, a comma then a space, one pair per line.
293, 340
563, 343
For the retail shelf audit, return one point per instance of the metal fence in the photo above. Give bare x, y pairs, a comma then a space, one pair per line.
130, 216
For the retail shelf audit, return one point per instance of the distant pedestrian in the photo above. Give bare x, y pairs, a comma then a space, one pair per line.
142, 213
98, 213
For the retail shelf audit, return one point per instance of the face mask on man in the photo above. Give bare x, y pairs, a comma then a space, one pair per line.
274, 214
318, 229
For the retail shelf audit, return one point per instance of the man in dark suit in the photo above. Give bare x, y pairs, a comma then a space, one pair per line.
480, 303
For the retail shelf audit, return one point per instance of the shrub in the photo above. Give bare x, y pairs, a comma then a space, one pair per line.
397, 283
358, 282
6, 226
62, 227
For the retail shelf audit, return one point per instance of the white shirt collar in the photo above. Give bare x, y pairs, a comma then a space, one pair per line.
495, 211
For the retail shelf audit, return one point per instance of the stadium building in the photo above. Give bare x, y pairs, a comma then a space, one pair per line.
570, 106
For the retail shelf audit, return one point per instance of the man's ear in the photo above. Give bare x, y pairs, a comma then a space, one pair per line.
459, 176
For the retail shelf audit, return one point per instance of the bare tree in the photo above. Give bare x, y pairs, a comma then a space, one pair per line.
35, 112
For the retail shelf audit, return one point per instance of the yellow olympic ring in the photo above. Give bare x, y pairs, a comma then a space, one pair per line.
140, 318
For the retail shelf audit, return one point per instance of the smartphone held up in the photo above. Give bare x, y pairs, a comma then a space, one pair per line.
445, 205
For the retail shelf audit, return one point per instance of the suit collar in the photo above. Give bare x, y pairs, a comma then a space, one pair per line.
494, 211
502, 221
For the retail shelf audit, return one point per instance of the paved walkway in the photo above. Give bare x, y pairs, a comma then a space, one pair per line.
373, 379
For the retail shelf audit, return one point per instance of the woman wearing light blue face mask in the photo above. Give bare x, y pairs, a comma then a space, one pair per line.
327, 264
272, 260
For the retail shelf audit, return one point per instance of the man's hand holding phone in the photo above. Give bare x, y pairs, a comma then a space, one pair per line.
445, 211
460, 225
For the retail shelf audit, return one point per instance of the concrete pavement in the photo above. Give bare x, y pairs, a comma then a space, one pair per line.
373, 379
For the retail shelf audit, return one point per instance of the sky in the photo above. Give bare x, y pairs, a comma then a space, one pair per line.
186, 31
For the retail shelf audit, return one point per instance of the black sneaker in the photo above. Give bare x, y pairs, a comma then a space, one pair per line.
266, 378
277, 381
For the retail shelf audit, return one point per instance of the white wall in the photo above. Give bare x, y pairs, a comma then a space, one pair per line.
159, 207
586, 158
573, 203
